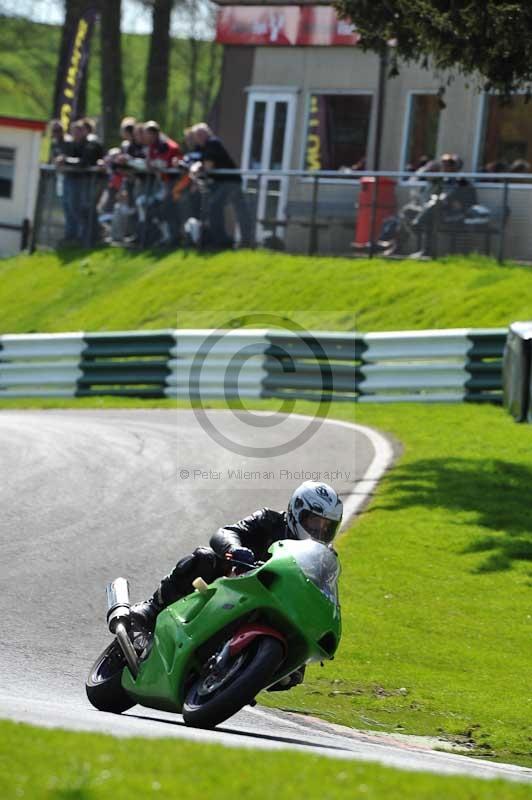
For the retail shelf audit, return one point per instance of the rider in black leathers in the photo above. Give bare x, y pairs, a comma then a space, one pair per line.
314, 511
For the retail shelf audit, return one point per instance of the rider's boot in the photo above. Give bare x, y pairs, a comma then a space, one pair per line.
201, 563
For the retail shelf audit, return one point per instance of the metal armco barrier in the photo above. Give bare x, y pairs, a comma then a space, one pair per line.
517, 372
416, 366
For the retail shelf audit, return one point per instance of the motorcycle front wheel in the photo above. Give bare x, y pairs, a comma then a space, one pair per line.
104, 684
206, 705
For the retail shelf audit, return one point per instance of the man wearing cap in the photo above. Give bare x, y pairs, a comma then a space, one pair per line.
163, 153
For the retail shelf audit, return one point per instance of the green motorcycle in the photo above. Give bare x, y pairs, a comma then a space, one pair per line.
214, 650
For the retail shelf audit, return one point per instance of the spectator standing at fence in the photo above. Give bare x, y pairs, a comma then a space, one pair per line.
186, 191
93, 146
162, 153
126, 165
59, 140
127, 131
79, 154
224, 190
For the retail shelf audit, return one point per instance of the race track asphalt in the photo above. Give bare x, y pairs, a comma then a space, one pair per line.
90, 495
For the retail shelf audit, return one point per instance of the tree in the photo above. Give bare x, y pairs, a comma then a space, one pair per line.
156, 94
112, 83
199, 60
491, 39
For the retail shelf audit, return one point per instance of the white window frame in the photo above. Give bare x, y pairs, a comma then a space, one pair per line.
407, 126
270, 95
477, 144
11, 145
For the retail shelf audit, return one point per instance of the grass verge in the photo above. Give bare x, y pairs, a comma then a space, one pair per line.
38, 764
436, 584
119, 290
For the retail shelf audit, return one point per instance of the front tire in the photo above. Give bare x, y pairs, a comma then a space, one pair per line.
104, 684
255, 672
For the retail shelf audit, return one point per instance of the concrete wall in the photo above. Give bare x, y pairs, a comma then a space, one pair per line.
348, 69
230, 109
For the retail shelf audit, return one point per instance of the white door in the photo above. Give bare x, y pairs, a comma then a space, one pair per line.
268, 140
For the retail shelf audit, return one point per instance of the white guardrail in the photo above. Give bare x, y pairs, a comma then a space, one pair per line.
421, 366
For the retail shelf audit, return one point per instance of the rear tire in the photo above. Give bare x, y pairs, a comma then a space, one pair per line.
104, 684
256, 672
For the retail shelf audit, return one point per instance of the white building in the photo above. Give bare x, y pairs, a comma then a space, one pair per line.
20, 144
298, 93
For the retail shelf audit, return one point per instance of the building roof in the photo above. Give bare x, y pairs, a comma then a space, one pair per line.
21, 122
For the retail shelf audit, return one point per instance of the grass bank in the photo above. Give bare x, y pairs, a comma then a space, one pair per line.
436, 584
117, 290
37, 764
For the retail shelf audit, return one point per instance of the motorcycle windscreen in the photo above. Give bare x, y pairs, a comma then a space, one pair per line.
319, 563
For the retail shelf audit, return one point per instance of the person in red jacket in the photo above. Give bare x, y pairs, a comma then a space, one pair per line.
163, 153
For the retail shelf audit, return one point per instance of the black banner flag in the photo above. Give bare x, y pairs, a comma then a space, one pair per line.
75, 68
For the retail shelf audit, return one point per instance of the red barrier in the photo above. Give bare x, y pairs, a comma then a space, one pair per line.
386, 207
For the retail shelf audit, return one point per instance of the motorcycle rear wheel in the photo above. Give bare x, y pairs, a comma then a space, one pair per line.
104, 684
254, 674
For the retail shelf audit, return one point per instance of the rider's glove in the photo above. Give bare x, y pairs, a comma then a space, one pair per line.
242, 555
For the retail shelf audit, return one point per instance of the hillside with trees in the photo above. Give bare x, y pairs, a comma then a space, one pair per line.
30, 53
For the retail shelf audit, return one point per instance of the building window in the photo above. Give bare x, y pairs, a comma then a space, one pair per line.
506, 143
422, 130
337, 131
7, 171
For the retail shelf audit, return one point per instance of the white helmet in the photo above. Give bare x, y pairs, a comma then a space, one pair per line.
314, 512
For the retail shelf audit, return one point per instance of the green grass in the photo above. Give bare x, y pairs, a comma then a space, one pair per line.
436, 583
30, 50
436, 587
52, 765
117, 290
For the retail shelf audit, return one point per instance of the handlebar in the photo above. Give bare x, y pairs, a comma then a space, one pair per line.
243, 566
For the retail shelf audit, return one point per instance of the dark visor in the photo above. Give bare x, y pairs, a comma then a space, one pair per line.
321, 529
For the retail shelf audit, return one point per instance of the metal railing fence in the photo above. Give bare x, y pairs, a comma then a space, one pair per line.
416, 366
337, 213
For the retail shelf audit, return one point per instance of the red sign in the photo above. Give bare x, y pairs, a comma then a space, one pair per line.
283, 26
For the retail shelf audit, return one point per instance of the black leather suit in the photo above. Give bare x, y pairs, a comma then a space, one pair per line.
256, 532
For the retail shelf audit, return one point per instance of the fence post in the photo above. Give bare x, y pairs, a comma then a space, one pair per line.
502, 237
258, 234
38, 212
313, 236
91, 210
373, 218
